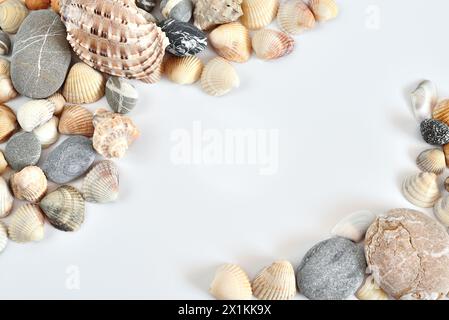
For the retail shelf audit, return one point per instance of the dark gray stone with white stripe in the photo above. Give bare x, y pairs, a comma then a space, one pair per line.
185, 39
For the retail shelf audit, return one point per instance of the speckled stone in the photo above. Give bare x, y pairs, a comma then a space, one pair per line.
5, 43
23, 149
332, 270
121, 95
69, 160
180, 10
185, 39
435, 132
147, 5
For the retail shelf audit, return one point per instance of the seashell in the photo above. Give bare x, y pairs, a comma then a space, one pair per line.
5, 43
219, 77
271, 44
4, 67
446, 153
209, 13
183, 70
121, 95
434, 132
258, 14
232, 42
231, 283
324, 10
147, 5
354, 226
56, 6
371, 291
29, 184
295, 17
101, 184
12, 14
37, 4
148, 16
441, 111
276, 282
3, 236
83, 84
441, 209
64, 208
119, 41
421, 189
180, 10
8, 122
59, 101
7, 91
27, 224
113, 134
6, 199
423, 99
432, 160
35, 113
48, 132
3, 164
76, 120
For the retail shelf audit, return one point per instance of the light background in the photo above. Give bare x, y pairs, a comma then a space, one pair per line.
347, 139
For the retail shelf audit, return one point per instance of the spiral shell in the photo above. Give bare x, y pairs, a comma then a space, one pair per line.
276, 282
295, 17
27, 224
183, 70
101, 184
48, 132
12, 14
83, 84
432, 160
7, 91
219, 77
6, 199
232, 42
35, 113
324, 10
371, 291
231, 283
59, 101
76, 120
29, 184
8, 122
258, 14
421, 189
3, 236
271, 44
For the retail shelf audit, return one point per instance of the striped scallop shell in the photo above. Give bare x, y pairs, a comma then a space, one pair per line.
48, 133
59, 101
4, 67
8, 122
35, 113
441, 111
271, 44
76, 120
219, 77
421, 189
275, 282
3, 236
371, 291
232, 42
295, 17
231, 283
432, 160
29, 184
6, 199
12, 14
27, 224
324, 10
258, 14
83, 84
183, 70
101, 184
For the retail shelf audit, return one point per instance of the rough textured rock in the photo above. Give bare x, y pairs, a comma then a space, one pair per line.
177, 9
209, 13
185, 39
435, 132
22, 150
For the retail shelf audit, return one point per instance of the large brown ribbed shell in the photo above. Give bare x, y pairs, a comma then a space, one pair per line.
114, 37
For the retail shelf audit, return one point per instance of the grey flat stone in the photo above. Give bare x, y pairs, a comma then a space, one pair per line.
121, 95
23, 149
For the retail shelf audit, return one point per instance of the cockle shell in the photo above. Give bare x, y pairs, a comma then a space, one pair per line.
354, 226
441, 111
7, 91
271, 44
101, 184
59, 101
3, 236
29, 184
83, 84
4, 67
434, 132
3, 164
432, 160
441, 210
12, 14
295, 17
276, 282
258, 14
113, 134
64, 208
8, 122
232, 42
121, 95
27, 224
183, 70
37, 4
35, 113
5, 43
423, 99
209, 13
371, 291
421, 189
6, 199
324, 10
76, 120
231, 283
56, 6
48, 133
219, 77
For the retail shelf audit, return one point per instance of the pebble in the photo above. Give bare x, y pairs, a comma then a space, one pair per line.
23, 149
121, 95
332, 270
185, 39
147, 5
5, 43
69, 160
180, 10
435, 132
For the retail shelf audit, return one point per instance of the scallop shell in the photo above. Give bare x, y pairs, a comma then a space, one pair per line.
6, 199
48, 132
232, 42
8, 122
55, 6
183, 70
59, 101
271, 44
432, 160
12, 14
3, 236
354, 226
441, 210
258, 14
121, 95
231, 283
371, 291
441, 111
4, 67
421, 189
29, 184
83, 84
275, 282
37, 4
76, 120
219, 77
27, 224
423, 99
114, 37
3, 163
113, 134
209, 13
295, 17
35, 113
324, 10
101, 184
7, 91
64, 208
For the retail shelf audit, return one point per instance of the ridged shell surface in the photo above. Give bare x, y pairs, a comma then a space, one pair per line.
59, 101
76, 120
441, 111
258, 14
3, 236
8, 122
29, 184
5, 67
231, 283
101, 184
295, 17
35, 113
272, 44
232, 42
27, 224
7, 91
12, 14
83, 84
183, 70
421, 189
432, 160
276, 282
6, 199
219, 77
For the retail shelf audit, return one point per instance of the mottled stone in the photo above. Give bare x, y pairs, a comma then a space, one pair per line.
185, 39
5, 43
180, 10
23, 149
121, 95
435, 132
147, 5
209, 13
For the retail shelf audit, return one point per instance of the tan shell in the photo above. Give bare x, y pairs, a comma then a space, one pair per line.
76, 120
421, 189
7, 91
209, 13
35, 113
48, 132
446, 153
37, 4
3, 163
29, 184
4, 67
83, 84
101, 184
183, 70
271, 44
275, 282
232, 42
231, 283
441, 111
27, 224
8, 122
12, 14
441, 210
6, 199
371, 291
354, 226
295, 17
3, 236
432, 160
59, 101
55, 6
324, 10
219, 77
258, 14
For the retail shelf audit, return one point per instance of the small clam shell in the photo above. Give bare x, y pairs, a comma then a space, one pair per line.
271, 44
64, 208
27, 224
3, 163
276, 282
231, 283
101, 184
371, 291
29, 184
76, 120
232, 42
37, 4
295, 17
6, 199
5, 43
421, 189
324, 10
3, 236
219, 77
354, 226
441, 210
59, 101
4, 67
8, 123
83, 84
48, 133
12, 14
35, 113
432, 160
183, 70
258, 14
7, 91
121, 95
441, 111
423, 99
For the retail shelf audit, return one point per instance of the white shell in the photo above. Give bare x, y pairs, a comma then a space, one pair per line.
7, 91
421, 189
4, 67
371, 291
6, 199
35, 113
59, 101
231, 283
219, 77
3, 236
432, 160
424, 99
441, 210
48, 132
275, 282
354, 226
27, 224
101, 184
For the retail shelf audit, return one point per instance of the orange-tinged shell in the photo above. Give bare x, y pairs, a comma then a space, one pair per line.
37, 4
29, 184
324, 10
295, 17
232, 42
276, 282
8, 122
272, 44
258, 13
76, 120
183, 70
84, 84
56, 6
59, 101
441, 111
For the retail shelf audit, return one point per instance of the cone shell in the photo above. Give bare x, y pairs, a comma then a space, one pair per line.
371, 291
7, 91
48, 132
76, 120
219, 77
231, 283
441, 210
59, 101
4, 67
6, 199
27, 224
276, 282
37, 4
432, 160
209, 13
295, 17
3, 163
55, 6
64, 208
34, 114
354, 226
271, 44
12, 14
83, 84
3, 236
101, 184
421, 189
232, 42
8, 123
258, 14
29, 184
324, 10
183, 70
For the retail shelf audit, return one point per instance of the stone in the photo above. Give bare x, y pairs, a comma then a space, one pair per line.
147, 5
23, 149
180, 10
69, 160
435, 132
121, 95
41, 55
209, 13
5, 43
332, 270
185, 39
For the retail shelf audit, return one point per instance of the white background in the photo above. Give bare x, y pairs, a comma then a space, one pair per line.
347, 139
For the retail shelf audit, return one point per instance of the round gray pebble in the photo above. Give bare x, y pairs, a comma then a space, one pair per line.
332, 270
180, 10
435, 132
121, 95
23, 149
